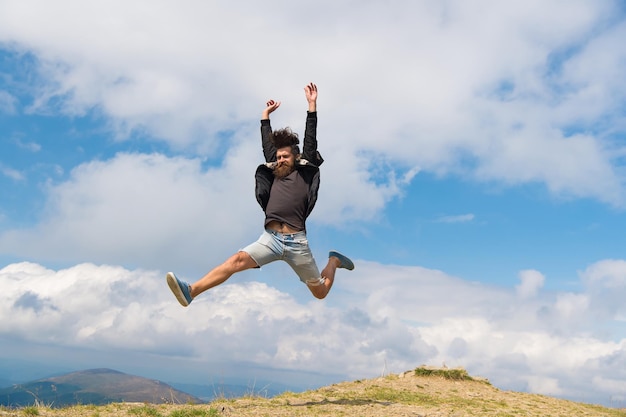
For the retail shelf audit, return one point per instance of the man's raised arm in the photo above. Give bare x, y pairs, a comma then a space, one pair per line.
309, 148
269, 150
271, 106
311, 96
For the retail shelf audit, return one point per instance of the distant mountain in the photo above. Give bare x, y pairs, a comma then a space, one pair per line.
94, 386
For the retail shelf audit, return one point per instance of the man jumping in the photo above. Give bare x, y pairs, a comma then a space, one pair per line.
286, 188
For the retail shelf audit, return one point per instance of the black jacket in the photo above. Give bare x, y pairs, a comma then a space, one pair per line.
307, 165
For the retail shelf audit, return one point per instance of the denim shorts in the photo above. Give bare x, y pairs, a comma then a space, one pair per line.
292, 248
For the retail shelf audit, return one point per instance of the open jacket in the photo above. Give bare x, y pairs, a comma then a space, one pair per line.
307, 165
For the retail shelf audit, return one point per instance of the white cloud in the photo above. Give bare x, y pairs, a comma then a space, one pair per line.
546, 386
609, 273
532, 282
29, 146
7, 102
572, 305
461, 218
418, 316
421, 85
144, 210
11, 173
151, 210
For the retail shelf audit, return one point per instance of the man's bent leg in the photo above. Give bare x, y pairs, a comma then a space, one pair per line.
323, 286
236, 263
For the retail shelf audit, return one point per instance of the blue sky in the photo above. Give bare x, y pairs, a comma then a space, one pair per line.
474, 170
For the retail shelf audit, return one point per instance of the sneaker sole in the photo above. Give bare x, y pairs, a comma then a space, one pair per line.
172, 282
346, 263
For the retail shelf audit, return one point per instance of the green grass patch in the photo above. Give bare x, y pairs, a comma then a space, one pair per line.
145, 411
456, 374
30, 411
195, 412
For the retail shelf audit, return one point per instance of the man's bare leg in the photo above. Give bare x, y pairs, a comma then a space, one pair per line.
185, 293
236, 263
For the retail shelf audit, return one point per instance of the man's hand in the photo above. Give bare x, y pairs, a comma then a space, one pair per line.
311, 96
271, 106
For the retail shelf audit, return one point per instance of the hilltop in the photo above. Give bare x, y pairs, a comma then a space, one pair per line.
421, 392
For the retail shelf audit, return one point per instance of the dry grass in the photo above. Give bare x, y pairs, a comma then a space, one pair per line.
419, 393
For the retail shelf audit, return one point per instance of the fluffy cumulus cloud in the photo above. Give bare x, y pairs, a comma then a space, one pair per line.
532, 281
606, 280
433, 319
166, 212
448, 87
142, 209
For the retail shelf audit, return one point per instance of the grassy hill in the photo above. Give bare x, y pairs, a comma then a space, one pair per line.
95, 386
418, 393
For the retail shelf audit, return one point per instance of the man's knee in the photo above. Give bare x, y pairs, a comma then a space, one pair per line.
317, 287
320, 292
240, 261
315, 282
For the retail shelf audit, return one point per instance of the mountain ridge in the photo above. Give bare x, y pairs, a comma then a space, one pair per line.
96, 386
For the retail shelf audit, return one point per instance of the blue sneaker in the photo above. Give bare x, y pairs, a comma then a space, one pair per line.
181, 289
346, 263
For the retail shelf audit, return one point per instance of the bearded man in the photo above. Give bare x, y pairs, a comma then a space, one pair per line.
286, 188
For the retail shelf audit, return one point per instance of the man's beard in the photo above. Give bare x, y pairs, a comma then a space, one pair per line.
282, 170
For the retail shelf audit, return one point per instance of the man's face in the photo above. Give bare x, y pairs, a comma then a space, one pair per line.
285, 162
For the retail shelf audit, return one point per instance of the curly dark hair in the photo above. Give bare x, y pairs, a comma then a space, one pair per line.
286, 137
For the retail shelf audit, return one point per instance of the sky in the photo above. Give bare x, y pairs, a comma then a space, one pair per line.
475, 171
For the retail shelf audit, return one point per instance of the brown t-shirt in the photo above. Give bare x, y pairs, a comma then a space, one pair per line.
287, 203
